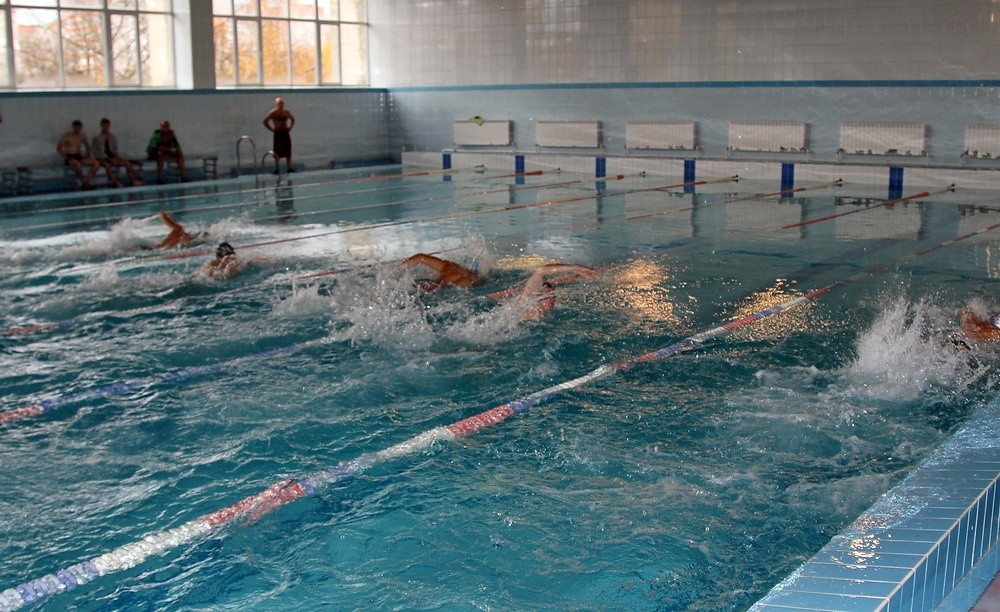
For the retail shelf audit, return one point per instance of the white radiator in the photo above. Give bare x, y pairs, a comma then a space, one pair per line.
767, 136
583, 134
491, 132
883, 138
982, 141
660, 135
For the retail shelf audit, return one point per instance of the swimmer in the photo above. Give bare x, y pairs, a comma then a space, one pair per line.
178, 236
225, 265
448, 272
975, 327
539, 295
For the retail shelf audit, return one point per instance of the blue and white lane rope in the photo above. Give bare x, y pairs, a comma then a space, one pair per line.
286, 491
281, 493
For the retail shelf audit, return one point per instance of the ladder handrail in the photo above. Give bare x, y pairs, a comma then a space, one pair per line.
253, 158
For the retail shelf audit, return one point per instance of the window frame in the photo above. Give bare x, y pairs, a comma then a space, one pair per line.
105, 14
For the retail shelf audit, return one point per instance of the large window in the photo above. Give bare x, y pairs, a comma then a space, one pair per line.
72, 44
290, 42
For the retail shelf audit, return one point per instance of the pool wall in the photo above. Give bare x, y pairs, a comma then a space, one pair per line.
878, 176
919, 541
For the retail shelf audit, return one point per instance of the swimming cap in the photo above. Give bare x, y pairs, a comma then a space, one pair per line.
224, 250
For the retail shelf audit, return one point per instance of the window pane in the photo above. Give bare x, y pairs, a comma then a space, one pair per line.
4, 72
222, 7
354, 53
156, 50
245, 7
83, 48
160, 6
124, 49
303, 53
38, 2
303, 9
225, 71
352, 10
274, 8
329, 49
36, 47
327, 9
122, 4
83, 3
247, 53
275, 51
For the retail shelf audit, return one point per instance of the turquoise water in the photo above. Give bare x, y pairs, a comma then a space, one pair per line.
695, 483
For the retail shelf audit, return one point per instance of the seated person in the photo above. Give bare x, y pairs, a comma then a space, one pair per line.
982, 327
75, 152
225, 265
105, 149
163, 145
448, 272
178, 236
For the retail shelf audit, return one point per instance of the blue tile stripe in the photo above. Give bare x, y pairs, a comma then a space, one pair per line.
911, 549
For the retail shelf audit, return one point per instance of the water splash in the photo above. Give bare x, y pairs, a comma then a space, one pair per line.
907, 351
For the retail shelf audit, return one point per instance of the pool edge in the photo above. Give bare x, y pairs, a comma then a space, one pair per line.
919, 541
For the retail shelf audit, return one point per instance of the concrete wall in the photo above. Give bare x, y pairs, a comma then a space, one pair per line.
332, 124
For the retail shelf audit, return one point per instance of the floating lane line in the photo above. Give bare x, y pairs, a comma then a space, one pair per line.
241, 191
916, 196
266, 191
51, 404
758, 196
286, 491
457, 215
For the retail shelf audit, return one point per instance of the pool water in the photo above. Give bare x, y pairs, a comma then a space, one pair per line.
695, 482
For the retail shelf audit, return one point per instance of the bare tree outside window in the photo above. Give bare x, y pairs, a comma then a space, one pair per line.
294, 42
81, 44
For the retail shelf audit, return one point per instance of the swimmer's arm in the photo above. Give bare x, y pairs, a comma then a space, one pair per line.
170, 221
421, 259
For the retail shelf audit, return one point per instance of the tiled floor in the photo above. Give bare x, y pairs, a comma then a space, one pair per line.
990, 601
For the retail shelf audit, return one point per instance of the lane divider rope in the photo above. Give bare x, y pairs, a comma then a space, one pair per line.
457, 215
885, 203
286, 491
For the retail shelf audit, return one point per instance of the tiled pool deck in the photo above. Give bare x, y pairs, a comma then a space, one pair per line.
930, 543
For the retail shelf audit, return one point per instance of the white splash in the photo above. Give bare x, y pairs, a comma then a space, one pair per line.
903, 354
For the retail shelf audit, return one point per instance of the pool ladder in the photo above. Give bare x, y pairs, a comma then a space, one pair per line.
253, 159
277, 165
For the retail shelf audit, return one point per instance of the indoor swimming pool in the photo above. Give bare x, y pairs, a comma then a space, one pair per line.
298, 437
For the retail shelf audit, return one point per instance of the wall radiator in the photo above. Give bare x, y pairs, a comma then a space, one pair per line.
982, 141
883, 138
660, 135
582, 134
485, 133
774, 136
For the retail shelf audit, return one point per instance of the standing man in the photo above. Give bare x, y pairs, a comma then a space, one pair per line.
105, 149
281, 121
163, 145
75, 152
